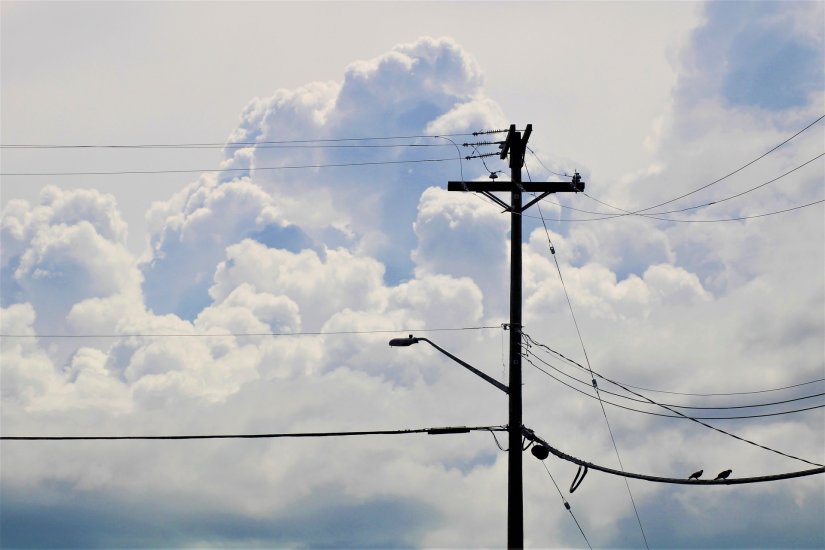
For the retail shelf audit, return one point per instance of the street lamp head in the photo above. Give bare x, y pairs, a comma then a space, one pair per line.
401, 342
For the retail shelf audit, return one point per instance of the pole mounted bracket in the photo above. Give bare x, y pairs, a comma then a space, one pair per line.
544, 188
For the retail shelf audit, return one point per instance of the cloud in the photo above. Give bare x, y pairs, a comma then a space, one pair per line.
319, 286
69, 248
242, 269
462, 236
750, 56
415, 88
190, 232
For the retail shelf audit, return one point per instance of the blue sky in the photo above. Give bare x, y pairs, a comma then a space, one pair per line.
648, 101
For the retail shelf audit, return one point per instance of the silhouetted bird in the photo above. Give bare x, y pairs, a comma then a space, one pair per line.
696, 475
723, 475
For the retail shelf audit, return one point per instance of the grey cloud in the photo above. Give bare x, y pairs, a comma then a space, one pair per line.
327, 519
750, 55
728, 517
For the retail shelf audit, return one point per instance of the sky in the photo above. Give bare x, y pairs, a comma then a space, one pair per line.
227, 242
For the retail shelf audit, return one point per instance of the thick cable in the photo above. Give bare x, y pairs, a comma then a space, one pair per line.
434, 431
679, 481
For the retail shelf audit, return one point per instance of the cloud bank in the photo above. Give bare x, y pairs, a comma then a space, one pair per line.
354, 252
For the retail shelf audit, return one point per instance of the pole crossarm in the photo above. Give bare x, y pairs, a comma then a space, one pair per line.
508, 186
680, 481
487, 188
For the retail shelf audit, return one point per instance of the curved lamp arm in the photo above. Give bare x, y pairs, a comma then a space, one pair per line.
403, 342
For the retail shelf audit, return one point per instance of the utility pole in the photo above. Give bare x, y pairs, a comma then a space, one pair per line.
515, 145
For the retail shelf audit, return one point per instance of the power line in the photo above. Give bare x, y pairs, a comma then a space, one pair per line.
653, 216
760, 157
737, 170
587, 359
431, 431
680, 481
685, 220
577, 365
640, 212
679, 416
566, 504
608, 215
244, 334
694, 419
221, 170
237, 143
722, 407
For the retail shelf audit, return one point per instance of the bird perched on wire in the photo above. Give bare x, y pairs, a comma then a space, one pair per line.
723, 475
696, 475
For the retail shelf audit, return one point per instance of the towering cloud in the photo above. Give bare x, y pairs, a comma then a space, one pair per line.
265, 297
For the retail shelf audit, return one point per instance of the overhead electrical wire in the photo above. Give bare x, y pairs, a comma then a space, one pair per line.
695, 419
237, 143
651, 413
242, 145
431, 431
673, 220
243, 334
653, 215
222, 170
566, 504
686, 220
718, 407
587, 359
720, 394
269, 168
461, 159
737, 170
676, 480
760, 157
643, 211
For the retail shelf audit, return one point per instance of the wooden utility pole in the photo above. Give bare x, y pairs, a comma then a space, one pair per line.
515, 145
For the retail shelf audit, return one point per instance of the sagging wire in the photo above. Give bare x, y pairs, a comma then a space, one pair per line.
470, 157
500, 448
692, 418
461, 162
651, 413
475, 146
587, 359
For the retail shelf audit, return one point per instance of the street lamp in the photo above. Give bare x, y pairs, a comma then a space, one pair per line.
403, 342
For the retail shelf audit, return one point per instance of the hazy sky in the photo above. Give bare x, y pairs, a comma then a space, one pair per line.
648, 101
